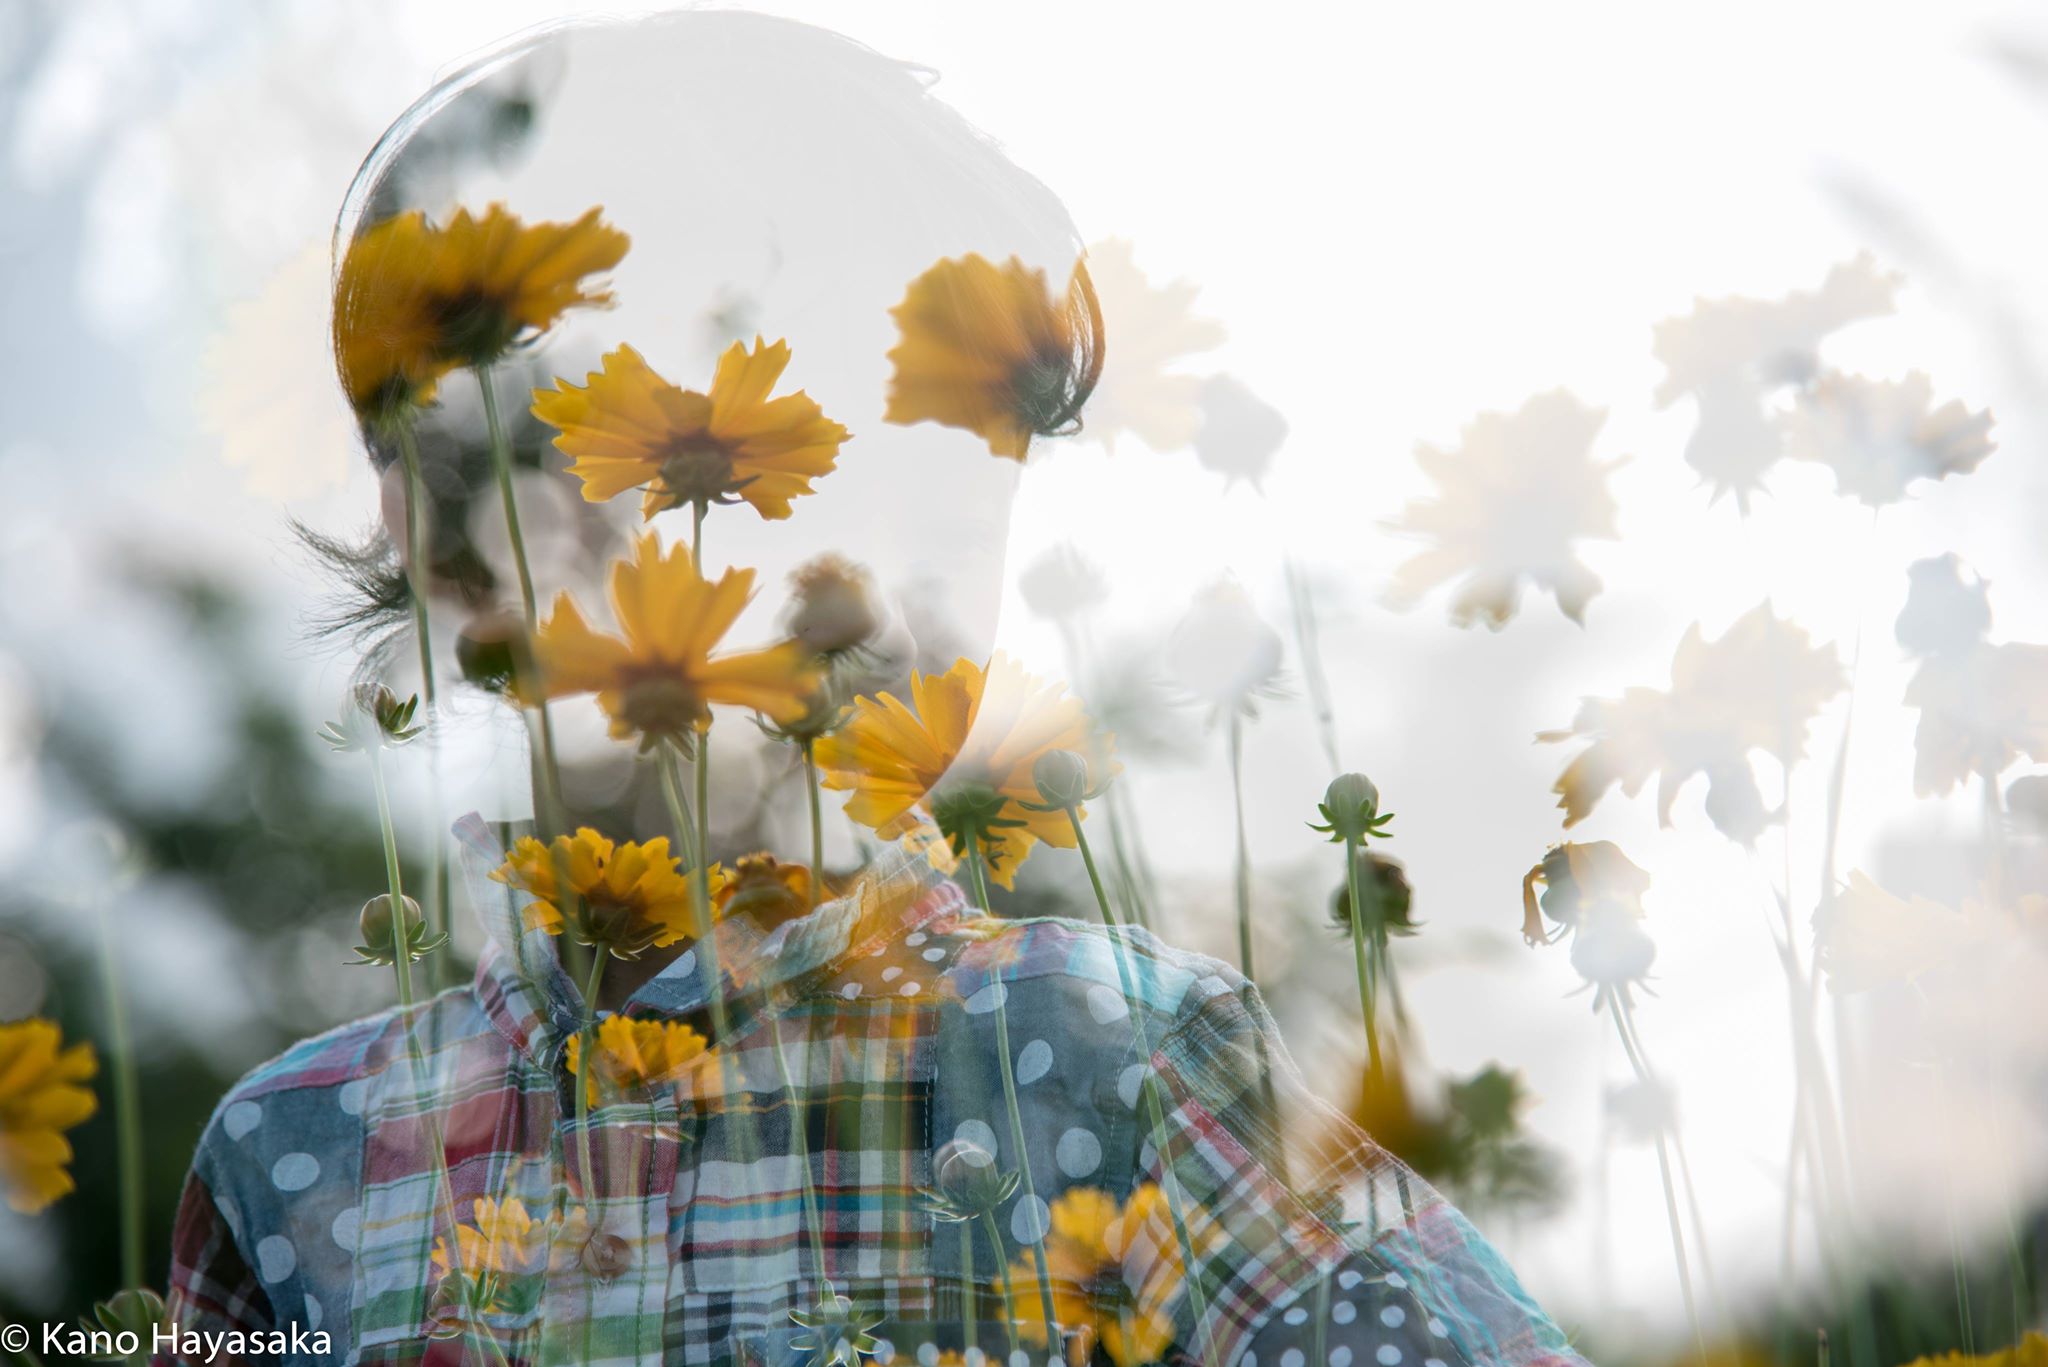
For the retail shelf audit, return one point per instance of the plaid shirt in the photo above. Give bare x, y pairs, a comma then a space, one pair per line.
314, 1198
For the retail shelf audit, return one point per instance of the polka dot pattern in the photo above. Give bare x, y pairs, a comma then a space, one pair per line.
295, 1172
1034, 1061
241, 1118
1079, 1153
276, 1259
1030, 1218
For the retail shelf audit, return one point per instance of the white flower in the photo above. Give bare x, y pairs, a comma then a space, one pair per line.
1240, 432
1982, 704
1513, 496
1146, 330
1878, 436
1063, 582
1869, 938
1223, 651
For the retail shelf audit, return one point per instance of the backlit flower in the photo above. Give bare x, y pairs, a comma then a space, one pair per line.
628, 428
1982, 703
1224, 652
961, 755
42, 1094
1757, 688
657, 678
1867, 937
1512, 498
1595, 893
1878, 436
833, 608
1240, 433
637, 1055
1114, 1271
625, 898
988, 348
413, 301
1154, 327
766, 889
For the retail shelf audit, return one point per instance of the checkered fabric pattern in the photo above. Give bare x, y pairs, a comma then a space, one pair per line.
864, 1037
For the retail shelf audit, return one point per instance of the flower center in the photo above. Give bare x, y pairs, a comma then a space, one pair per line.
699, 470
659, 705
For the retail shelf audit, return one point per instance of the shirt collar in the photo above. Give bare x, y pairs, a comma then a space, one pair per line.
529, 997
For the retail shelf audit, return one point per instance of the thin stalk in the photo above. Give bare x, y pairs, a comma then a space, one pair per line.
418, 566
583, 1083
1366, 1004
1175, 1200
817, 820
501, 466
1244, 858
813, 1221
1308, 642
1618, 1008
995, 1243
970, 1332
697, 535
1009, 1074
127, 1108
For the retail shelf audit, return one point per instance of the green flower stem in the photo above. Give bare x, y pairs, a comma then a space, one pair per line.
969, 1330
813, 1220
1009, 1073
1244, 858
587, 1072
817, 820
1358, 956
127, 1108
418, 560
501, 466
697, 535
1175, 1200
995, 1243
1618, 1008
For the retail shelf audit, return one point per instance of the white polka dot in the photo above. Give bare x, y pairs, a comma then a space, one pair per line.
276, 1258
1396, 1279
1078, 1153
345, 1228
295, 1172
1147, 1156
686, 966
241, 1118
885, 1352
1034, 1061
1293, 1357
934, 954
1388, 1355
977, 1133
928, 1353
314, 1314
1107, 1004
1340, 1356
1343, 1312
1128, 1082
1029, 1219
351, 1095
892, 973
1020, 1358
1432, 1362
1250, 1359
850, 991
915, 938
984, 1000
1349, 1280
912, 989
1296, 1315
1437, 1327
1393, 1317
974, 1357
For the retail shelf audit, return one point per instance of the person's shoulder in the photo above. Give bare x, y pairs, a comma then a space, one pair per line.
1106, 969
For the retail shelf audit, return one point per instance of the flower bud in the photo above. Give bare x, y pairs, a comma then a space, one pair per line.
967, 1179
1351, 810
1611, 948
375, 923
1062, 779
834, 608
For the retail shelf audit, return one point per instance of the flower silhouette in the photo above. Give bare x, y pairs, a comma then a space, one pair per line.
1757, 688
1513, 497
1982, 704
1878, 436
1734, 355
1240, 432
1153, 327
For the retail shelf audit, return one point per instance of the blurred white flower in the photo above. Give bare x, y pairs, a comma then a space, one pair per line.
1641, 1110
1513, 496
1878, 436
1612, 951
1869, 938
1223, 651
1240, 432
1733, 355
1757, 688
1146, 329
1063, 582
1982, 704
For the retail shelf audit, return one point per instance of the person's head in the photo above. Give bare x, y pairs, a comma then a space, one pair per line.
773, 178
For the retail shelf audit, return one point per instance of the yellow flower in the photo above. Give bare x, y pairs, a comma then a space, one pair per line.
628, 428
1113, 1271
638, 1055
987, 348
2030, 1351
766, 889
961, 754
504, 1239
624, 897
657, 679
42, 1094
414, 301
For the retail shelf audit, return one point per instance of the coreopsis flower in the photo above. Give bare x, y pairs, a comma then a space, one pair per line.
2030, 1351
493, 1267
960, 755
1735, 356
766, 889
628, 428
966, 1183
1384, 896
1595, 893
988, 348
1878, 436
1351, 810
657, 679
1513, 498
837, 1332
637, 1056
1240, 433
1982, 703
413, 301
1867, 937
1224, 652
833, 607
1155, 327
1114, 1269
1757, 688
626, 898
43, 1093
384, 934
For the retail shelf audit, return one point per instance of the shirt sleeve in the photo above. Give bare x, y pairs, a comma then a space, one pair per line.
212, 1288
1315, 1247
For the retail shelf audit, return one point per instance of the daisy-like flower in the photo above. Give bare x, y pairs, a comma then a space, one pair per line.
834, 610
1595, 894
413, 301
1878, 436
766, 889
1224, 652
628, 428
988, 348
1240, 433
1757, 688
43, 1093
1155, 327
1868, 937
493, 1266
1735, 356
657, 678
1982, 703
2030, 1351
960, 754
1114, 1269
1513, 497
638, 1055
626, 898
